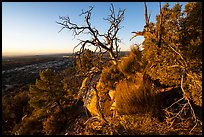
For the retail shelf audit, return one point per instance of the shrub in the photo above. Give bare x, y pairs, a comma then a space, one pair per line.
143, 124
47, 90
52, 125
86, 61
194, 87
109, 77
132, 63
31, 125
131, 97
71, 81
14, 108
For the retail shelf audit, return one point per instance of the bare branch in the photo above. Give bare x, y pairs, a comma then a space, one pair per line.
175, 102
146, 15
160, 26
178, 54
87, 12
171, 117
138, 33
71, 26
105, 43
146, 27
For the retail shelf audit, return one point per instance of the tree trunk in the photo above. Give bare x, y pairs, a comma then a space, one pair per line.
98, 106
113, 58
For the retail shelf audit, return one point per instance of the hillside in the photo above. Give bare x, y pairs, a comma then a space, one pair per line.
156, 91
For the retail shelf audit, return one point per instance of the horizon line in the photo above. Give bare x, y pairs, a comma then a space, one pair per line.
12, 54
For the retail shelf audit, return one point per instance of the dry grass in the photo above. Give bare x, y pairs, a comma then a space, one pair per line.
134, 124
132, 63
131, 97
143, 124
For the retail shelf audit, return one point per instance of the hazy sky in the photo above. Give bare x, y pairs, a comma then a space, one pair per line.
31, 28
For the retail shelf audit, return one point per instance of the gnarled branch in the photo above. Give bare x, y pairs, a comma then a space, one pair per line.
146, 27
110, 39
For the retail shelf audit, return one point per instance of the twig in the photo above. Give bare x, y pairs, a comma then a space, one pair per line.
175, 66
175, 102
178, 54
172, 116
186, 98
111, 40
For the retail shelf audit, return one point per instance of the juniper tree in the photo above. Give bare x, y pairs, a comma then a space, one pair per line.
48, 89
173, 56
86, 62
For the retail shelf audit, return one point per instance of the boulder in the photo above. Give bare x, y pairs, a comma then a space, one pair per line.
91, 106
89, 95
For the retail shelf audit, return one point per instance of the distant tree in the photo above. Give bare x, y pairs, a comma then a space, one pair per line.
48, 92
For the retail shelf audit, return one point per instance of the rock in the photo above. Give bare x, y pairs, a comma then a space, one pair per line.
88, 94
111, 94
92, 106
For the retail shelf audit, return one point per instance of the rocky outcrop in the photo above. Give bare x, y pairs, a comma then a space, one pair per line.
88, 94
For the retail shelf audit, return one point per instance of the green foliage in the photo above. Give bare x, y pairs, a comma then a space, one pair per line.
175, 63
13, 109
31, 125
71, 81
85, 62
193, 86
191, 36
109, 77
47, 90
180, 52
162, 59
47, 99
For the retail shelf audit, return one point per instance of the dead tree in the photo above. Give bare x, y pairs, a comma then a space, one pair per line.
104, 43
146, 27
160, 26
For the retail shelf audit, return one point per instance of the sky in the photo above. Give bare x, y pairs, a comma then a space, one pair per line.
31, 28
